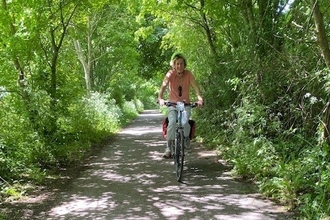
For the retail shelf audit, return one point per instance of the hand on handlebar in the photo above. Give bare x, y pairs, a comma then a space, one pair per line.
161, 102
200, 103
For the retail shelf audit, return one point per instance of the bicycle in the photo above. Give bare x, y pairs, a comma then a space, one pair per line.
179, 142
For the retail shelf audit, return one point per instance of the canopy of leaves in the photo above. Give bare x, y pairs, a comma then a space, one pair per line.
262, 73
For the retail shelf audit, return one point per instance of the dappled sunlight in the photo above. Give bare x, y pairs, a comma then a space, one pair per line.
204, 153
156, 156
152, 144
245, 216
172, 209
171, 189
141, 130
153, 114
131, 180
146, 179
107, 175
81, 206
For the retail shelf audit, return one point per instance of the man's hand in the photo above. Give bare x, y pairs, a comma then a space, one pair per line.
161, 102
200, 102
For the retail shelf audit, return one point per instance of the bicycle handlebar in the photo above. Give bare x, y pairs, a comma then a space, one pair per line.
192, 105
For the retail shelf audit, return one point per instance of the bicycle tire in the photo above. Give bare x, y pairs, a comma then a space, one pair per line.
179, 155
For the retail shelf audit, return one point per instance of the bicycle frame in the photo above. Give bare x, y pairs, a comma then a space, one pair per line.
179, 143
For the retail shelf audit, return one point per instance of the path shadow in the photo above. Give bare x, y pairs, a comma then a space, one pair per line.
128, 179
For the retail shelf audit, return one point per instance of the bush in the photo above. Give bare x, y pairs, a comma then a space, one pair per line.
25, 151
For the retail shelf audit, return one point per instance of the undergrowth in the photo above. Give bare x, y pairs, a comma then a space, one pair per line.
26, 156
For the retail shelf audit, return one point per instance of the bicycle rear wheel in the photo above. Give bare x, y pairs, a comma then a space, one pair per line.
179, 155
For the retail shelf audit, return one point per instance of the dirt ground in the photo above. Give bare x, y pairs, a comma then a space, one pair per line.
127, 178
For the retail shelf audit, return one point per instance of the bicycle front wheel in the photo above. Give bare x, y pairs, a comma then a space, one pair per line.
179, 155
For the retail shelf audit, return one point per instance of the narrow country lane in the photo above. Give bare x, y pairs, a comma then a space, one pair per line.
129, 179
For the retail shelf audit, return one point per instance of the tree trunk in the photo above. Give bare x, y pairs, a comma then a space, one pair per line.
53, 86
86, 60
209, 34
324, 45
56, 44
321, 32
86, 65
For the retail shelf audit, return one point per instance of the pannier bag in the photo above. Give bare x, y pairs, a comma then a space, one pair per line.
192, 128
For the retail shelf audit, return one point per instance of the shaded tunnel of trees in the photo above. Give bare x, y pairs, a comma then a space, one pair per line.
74, 72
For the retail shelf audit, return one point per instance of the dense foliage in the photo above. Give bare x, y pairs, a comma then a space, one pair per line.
265, 82
74, 71
52, 114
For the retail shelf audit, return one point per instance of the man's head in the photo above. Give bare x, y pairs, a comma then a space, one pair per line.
177, 56
178, 62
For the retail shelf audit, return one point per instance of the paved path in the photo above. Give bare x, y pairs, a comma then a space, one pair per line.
128, 179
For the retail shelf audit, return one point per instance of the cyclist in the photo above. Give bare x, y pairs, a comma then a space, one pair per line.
178, 80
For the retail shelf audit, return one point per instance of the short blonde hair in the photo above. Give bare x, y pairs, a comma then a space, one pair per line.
176, 56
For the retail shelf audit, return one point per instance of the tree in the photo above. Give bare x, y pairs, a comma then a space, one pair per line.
86, 26
58, 29
324, 46
34, 38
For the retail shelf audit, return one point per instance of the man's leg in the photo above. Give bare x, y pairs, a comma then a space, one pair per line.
187, 128
172, 115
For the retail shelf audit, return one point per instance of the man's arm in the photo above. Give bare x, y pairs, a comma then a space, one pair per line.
197, 91
162, 90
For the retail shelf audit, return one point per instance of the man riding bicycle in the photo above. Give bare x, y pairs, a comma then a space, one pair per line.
178, 80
